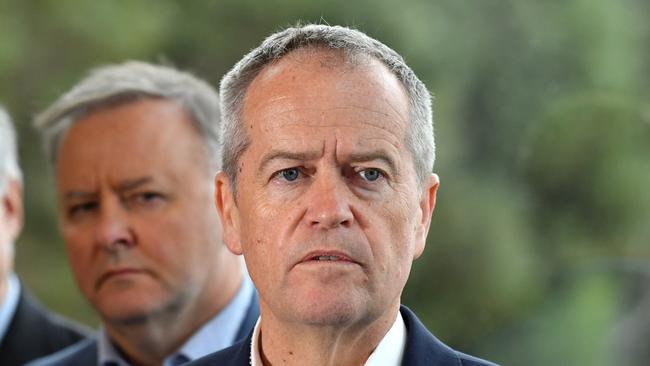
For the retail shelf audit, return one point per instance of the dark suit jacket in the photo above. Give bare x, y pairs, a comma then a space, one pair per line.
85, 353
34, 332
422, 349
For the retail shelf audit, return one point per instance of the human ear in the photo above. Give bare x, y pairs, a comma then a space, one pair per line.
427, 204
226, 205
12, 209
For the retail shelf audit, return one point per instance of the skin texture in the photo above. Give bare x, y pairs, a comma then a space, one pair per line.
11, 222
134, 190
326, 173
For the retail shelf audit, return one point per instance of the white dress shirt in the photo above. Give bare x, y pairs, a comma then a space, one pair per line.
389, 351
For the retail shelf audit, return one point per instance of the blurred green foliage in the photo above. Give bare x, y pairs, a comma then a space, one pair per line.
538, 250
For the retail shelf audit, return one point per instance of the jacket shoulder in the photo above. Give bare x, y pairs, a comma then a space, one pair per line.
467, 360
35, 332
236, 355
81, 353
423, 348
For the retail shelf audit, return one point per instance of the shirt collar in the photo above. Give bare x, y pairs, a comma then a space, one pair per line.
255, 358
389, 351
10, 303
214, 335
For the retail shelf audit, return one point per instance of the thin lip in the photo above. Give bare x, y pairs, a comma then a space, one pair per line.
322, 252
116, 272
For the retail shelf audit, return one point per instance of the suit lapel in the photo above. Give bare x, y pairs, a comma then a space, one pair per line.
15, 337
422, 348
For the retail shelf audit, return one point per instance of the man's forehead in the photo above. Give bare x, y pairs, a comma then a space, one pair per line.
141, 136
320, 73
144, 117
325, 58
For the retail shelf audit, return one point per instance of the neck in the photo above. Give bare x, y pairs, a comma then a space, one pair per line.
287, 344
145, 343
151, 339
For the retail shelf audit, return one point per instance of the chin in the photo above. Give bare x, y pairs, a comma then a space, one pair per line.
328, 313
125, 313
127, 318
137, 310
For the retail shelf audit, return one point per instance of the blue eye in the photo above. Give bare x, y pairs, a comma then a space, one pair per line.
290, 174
370, 174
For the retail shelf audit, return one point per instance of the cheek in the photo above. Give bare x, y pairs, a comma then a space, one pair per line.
186, 230
176, 248
262, 236
260, 220
398, 219
261, 263
79, 251
78, 245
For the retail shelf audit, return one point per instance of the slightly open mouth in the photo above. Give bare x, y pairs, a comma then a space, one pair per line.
328, 258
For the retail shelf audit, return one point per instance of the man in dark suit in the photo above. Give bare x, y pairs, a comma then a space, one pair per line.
328, 193
27, 330
133, 147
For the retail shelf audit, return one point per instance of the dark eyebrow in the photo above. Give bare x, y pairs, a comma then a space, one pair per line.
133, 183
78, 195
287, 155
373, 155
123, 186
306, 156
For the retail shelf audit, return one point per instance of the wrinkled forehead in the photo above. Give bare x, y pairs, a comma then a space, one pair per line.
71, 117
316, 95
329, 77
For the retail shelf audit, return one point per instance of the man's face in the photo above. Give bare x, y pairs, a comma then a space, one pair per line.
329, 214
135, 208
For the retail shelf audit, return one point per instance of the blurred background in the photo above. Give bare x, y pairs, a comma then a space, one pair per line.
539, 247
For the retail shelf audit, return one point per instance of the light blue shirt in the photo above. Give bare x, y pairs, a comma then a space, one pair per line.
9, 305
216, 334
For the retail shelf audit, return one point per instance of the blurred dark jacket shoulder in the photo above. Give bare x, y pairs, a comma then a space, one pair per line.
35, 332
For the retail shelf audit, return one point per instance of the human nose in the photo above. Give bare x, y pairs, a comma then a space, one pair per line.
113, 231
329, 204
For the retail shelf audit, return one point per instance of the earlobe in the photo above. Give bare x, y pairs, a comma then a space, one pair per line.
228, 212
427, 204
12, 205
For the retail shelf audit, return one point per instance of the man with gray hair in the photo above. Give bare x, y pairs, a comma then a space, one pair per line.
327, 191
134, 149
27, 331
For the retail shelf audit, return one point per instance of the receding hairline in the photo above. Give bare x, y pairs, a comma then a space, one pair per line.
115, 101
353, 45
128, 81
127, 100
330, 59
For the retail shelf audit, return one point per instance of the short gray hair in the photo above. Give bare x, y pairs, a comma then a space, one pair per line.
419, 138
122, 83
9, 169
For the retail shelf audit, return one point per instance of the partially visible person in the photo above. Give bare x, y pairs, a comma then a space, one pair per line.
27, 330
328, 193
134, 149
